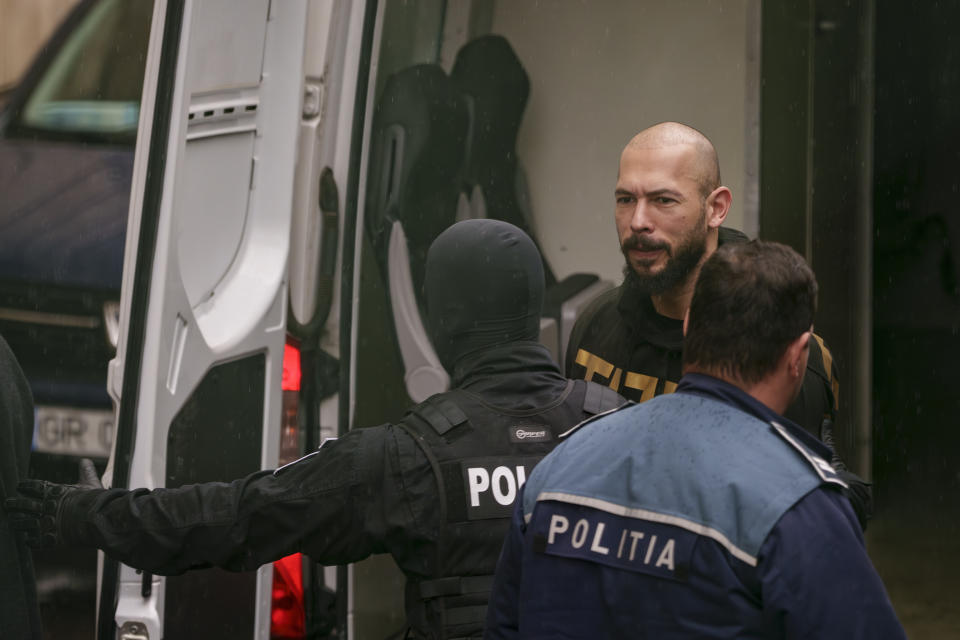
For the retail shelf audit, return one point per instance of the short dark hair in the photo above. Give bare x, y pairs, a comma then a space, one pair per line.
751, 300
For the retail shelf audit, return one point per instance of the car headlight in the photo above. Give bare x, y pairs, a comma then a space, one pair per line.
111, 321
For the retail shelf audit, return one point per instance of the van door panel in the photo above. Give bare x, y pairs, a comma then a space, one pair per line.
203, 310
228, 394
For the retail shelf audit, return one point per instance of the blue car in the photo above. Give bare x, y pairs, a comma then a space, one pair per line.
67, 137
66, 154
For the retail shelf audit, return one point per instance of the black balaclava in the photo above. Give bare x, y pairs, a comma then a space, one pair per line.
484, 288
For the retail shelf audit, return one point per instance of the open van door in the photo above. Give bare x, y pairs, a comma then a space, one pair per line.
294, 160
204, 296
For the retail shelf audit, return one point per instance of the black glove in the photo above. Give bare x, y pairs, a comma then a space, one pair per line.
36, 512
88, 475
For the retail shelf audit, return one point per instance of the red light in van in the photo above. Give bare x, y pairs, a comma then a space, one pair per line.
287, 613
290, 447
287, 618
291, 368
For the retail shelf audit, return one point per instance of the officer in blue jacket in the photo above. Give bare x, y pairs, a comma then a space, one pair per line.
703, 513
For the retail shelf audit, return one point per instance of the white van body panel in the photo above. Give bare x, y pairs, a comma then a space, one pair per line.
220, 262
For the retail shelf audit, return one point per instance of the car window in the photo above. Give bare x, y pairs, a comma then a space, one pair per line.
91, 88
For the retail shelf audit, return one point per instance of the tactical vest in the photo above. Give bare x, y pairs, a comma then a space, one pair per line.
481, 456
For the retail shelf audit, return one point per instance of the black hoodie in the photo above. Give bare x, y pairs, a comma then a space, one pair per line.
621, 341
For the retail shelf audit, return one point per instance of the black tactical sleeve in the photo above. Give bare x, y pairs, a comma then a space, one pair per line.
332, 505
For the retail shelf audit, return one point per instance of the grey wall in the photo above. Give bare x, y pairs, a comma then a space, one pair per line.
601, 71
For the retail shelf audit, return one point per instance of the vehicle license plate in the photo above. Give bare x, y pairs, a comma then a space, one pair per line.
72, 431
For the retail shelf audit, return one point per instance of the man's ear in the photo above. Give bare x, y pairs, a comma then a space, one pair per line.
795, 352
686, 321
718, 205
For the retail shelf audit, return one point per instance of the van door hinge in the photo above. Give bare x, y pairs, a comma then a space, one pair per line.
312, 99
133, 631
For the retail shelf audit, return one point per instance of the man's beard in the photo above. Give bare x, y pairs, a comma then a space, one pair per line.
681, 261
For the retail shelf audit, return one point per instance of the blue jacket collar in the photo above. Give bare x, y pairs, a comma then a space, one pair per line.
704, 385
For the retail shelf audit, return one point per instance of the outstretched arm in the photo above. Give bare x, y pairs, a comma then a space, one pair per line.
308, 506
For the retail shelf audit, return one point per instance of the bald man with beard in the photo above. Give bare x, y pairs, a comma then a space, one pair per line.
669, 211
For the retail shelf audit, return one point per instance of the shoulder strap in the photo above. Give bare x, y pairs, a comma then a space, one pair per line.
599, 399
820, 466
821, 363
440, 412
418, 438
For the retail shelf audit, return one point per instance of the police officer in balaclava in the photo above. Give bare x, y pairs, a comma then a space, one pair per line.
434, 489
484, 290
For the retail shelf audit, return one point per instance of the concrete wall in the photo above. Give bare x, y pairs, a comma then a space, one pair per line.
24, 26
601, 71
